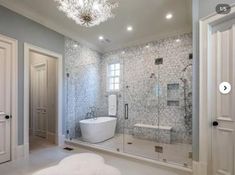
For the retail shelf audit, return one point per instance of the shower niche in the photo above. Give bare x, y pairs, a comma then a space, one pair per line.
173, 94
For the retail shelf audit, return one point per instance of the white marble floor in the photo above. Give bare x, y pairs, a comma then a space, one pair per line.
49, 155
176, 153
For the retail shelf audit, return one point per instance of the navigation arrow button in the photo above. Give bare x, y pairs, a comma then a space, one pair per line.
225, 87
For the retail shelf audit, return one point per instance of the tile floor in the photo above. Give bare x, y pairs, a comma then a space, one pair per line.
37, 143
172, 153
44, 154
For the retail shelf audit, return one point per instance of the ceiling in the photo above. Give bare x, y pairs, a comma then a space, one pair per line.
146, 16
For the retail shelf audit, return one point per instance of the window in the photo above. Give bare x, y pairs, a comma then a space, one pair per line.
114, 77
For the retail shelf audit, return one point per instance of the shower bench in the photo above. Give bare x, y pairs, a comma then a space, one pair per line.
157, 133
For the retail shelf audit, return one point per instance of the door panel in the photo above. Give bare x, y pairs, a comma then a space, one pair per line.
4, 139
5, 96
223, 135
224, 148
39, 90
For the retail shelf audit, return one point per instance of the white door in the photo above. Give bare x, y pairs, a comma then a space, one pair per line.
39, 99
5, 102
223, 122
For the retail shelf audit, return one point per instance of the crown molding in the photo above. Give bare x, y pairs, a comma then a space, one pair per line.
47, 23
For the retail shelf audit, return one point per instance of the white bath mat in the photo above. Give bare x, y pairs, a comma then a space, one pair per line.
83, 158
80, 164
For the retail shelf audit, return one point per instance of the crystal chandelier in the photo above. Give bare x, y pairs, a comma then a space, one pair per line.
87, 12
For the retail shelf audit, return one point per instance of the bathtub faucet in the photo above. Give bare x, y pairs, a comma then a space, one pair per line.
91, 113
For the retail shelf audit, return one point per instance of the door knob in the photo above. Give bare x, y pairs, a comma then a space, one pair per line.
215, 123
7, 117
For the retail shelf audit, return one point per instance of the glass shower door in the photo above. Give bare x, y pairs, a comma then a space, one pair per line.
141, 96
157, 104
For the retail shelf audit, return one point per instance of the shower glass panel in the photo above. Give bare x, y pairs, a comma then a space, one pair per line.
141, 96
89, 83
157, 94
82, 84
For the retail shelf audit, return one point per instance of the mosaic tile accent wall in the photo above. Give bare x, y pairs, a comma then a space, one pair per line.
144, 87
156, 94
82, 85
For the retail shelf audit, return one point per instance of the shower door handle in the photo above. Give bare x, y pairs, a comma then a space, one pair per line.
126, 111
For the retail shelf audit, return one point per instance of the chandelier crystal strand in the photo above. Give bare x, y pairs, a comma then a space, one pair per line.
87, 12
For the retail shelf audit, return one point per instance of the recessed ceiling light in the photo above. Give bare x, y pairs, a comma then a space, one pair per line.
147, 46
129, 28
177, 40
101, 38
75, 45
169, 16
123, 52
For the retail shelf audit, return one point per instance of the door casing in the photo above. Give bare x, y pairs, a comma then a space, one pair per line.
59, 134
205, 104
15, 149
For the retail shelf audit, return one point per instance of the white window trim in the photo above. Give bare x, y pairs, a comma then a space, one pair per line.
109, 76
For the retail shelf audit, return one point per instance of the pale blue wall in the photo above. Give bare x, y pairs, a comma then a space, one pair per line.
26, 30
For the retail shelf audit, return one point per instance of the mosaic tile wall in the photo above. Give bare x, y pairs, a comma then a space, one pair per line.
82, 85
144, 87
155, 93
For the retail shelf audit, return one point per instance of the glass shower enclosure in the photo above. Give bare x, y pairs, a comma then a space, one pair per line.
157, 97
153, 86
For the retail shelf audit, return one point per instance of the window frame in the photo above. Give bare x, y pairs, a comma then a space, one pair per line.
110, 76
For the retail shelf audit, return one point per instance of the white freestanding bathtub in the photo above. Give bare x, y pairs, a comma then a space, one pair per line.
98, 129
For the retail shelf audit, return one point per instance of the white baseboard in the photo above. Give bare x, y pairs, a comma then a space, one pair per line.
60, 141
26, 150
199, 168
22, 151
196, 168
54, 138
